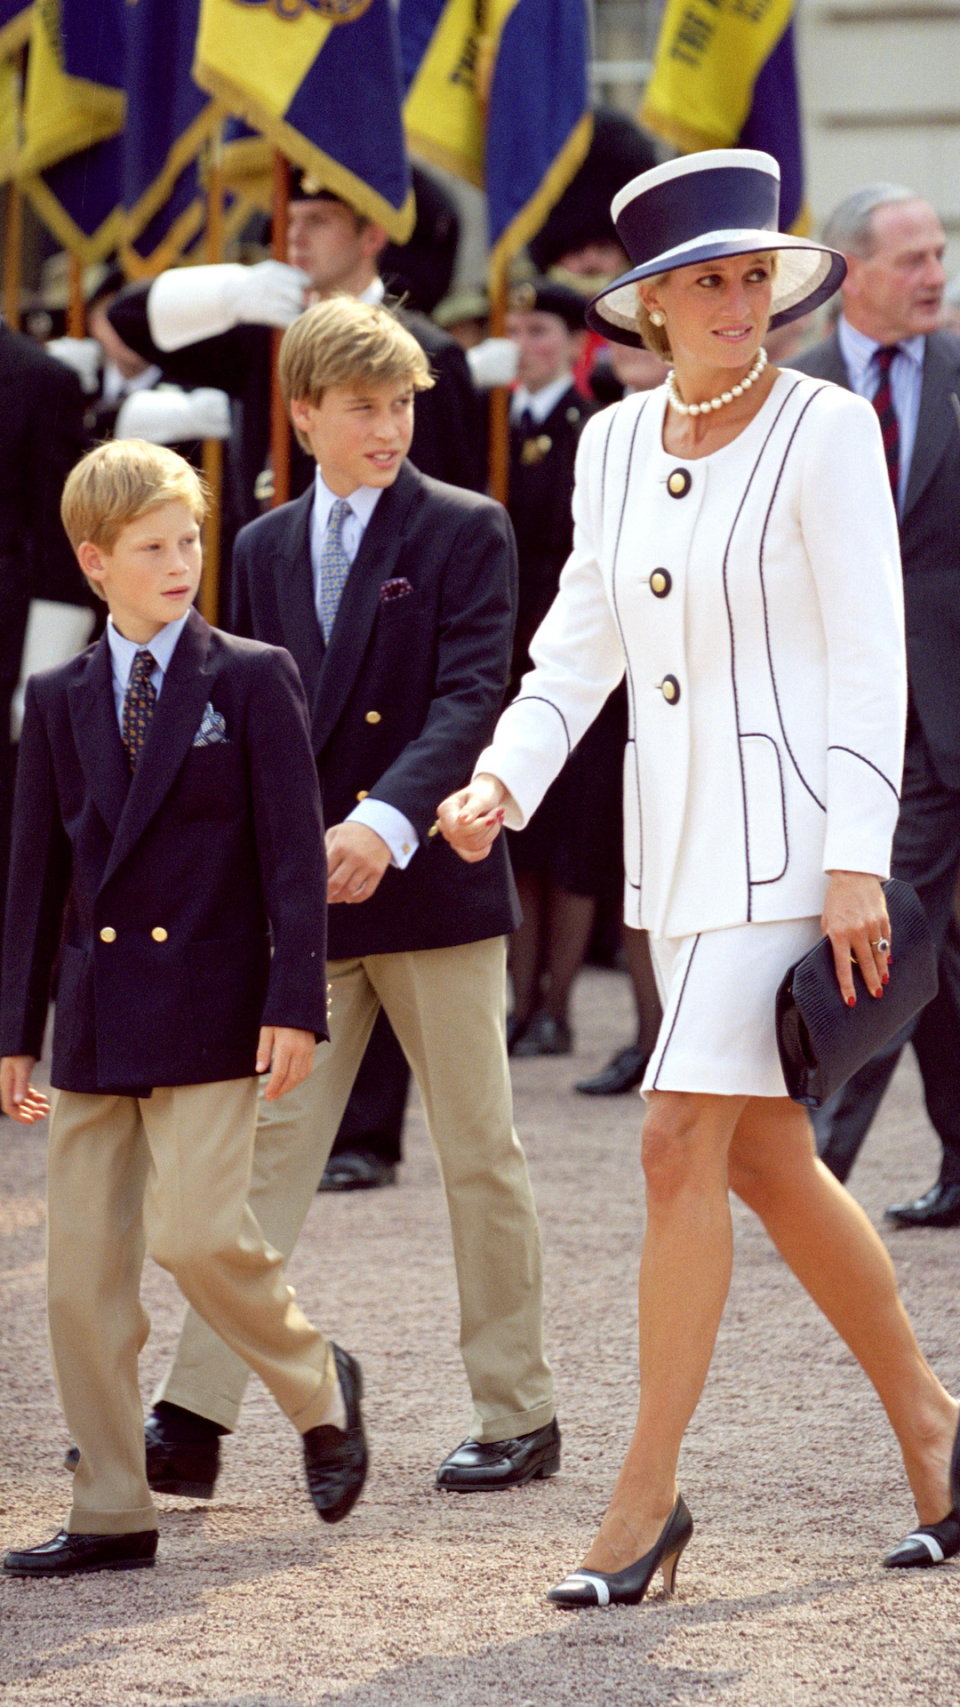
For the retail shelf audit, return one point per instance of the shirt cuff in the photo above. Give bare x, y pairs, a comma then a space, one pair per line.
391, 826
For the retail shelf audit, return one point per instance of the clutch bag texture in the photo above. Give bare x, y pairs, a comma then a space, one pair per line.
822, 1042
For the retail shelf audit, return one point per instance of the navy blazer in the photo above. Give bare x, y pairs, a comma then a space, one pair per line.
406, 695
165, 886
929, 543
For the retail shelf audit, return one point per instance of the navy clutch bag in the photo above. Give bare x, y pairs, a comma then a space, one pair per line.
822, 1042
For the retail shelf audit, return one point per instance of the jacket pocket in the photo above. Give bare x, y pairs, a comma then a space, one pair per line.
632, 834
766, 811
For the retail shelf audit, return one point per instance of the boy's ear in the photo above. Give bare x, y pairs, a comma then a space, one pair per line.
90, 560
300, 412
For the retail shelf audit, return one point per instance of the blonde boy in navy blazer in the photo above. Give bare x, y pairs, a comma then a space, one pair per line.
158, 839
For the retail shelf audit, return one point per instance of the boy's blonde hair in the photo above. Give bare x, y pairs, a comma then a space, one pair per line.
343, 342
118, 482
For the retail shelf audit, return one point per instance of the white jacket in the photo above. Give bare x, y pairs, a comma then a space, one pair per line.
758, 614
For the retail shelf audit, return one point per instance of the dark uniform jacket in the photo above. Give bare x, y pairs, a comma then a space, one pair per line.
405, 696
446, 438
41, 437
541, 488
166, 885
929, 544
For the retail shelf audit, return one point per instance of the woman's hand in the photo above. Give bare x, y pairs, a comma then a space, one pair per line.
855, 919
471, 819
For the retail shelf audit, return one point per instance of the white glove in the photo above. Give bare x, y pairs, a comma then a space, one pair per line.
494, 362
166, 415
187, 304
83, 355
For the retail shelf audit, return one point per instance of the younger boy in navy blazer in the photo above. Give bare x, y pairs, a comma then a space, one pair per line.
160, 846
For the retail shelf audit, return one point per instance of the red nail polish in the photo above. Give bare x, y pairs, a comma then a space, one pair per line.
877, 994
886, 978
851, 1001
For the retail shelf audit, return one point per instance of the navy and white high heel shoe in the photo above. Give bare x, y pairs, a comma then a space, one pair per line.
627, 1588
933, 1543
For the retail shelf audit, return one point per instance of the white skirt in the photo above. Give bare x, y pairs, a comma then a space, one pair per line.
718, 991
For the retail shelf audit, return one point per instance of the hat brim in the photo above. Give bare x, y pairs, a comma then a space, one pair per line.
807, 275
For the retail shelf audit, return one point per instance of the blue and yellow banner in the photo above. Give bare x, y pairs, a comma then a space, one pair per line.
725, 75
497, 92
321, 80
74, 111
15, 25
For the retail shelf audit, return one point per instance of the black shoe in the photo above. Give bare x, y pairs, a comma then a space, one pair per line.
336, 1459
545, 1035
516, 1028
478, 1468
624, 1073
183, 1452
938, 1207
357, 1170
929, 1545
627, 1588
68, 1555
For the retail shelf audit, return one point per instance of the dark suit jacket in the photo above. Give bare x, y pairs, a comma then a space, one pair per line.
929, 544
212, 845
447, 433
405, 697
541, 492
41, 437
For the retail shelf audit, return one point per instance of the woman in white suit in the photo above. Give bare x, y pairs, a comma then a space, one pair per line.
735, 554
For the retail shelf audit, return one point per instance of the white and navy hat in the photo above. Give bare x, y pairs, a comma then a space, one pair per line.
702, 207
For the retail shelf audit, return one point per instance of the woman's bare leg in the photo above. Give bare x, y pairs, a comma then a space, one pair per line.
684, 1278
838, 1257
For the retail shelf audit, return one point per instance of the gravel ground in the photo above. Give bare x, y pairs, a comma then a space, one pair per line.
426, 1600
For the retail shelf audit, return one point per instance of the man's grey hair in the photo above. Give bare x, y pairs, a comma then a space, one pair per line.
850, 226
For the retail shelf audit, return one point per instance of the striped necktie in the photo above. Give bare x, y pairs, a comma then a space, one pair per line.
139, 704
889, 424
334, 567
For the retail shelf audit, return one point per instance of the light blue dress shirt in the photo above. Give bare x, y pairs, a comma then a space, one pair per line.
906, 383
389, 823
123, 652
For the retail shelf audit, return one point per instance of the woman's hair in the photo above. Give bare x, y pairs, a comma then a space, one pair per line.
657, 338
118, 482
345, 342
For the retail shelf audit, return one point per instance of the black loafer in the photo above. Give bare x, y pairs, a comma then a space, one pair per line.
357, 1170
68, 1555
545, 1035
336, 1459
623, 1073
182, 1450
938, 1207
478, 1468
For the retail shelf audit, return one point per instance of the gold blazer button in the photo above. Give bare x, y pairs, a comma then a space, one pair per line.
362, 793
661, 582
670, 688
158, 933
108, 934
373, 717
679, 483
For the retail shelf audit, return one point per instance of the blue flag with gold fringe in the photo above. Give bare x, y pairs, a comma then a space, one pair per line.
321, 80
725, 75
499, 94
15, 24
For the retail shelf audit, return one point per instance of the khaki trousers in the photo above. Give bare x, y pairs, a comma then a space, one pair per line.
446, 1006
166, 1175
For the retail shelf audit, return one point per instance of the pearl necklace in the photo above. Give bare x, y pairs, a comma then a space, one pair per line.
725, 396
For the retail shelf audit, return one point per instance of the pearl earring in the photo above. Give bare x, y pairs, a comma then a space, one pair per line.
658, 318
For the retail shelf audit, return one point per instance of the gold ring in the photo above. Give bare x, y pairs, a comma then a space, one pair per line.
882, 945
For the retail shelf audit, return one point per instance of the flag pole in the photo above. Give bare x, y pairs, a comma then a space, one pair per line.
499, 441
76, 307
279, 424
13, 255
209, 600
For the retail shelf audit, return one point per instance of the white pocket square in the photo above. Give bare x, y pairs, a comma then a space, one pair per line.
213, 728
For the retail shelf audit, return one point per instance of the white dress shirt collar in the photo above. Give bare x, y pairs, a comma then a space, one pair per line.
123, 652
540, 403
374, 294
858, 351
362, 501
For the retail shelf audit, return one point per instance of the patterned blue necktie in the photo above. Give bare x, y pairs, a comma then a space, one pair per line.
334, 567
139, 704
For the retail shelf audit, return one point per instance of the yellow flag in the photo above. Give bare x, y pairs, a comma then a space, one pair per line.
62, 114
709, 56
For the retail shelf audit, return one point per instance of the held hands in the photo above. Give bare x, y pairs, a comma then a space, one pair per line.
289, 1052
855, 919
471, 819
17, 1096
356, 860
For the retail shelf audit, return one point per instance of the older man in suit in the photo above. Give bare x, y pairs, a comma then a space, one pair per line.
887, 347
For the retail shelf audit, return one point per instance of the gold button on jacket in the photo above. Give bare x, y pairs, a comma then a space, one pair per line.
373, 717
362, 793
108, 934
158, 933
